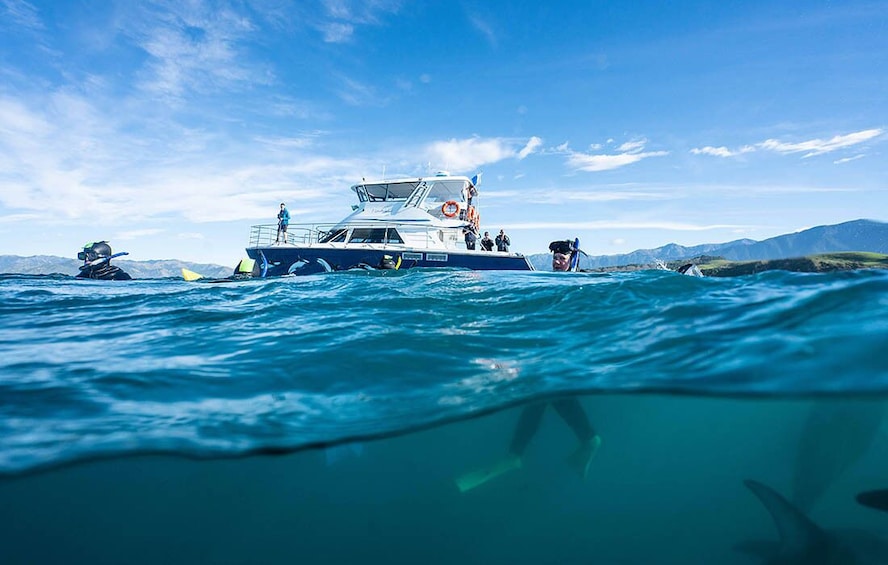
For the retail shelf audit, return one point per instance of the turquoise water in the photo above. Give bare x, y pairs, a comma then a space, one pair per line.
323, 419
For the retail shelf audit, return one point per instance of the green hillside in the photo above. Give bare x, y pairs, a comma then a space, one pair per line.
845, 261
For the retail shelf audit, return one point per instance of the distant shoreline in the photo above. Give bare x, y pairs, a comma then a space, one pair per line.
820, 263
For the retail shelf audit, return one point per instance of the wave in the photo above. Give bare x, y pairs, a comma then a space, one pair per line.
93, 369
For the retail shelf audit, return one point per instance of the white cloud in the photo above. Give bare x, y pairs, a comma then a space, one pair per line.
595, 163
337, 32
343, 17
722, 151
848, 159
61, 156
22, 15
632, 146
192, 47
820, 146
532, 144
470, 154
629, 152
811, 148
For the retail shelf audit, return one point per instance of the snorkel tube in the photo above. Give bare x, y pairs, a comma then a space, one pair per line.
574, 256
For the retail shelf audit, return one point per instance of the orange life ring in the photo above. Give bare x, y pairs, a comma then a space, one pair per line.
472, 214
450, 208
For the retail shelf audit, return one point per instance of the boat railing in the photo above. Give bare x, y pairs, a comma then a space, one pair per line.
264, 235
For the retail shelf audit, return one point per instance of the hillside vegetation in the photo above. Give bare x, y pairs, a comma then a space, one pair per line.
826, 262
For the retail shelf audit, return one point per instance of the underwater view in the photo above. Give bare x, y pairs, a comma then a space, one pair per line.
445, 416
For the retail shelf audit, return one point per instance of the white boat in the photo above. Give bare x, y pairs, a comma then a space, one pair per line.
402, 223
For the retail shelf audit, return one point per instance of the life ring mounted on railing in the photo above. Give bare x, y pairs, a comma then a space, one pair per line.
450, 208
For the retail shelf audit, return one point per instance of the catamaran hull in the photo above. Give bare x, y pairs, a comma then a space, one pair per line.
292, 260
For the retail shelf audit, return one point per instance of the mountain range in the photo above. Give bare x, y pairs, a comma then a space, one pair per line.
163, 268
856, 235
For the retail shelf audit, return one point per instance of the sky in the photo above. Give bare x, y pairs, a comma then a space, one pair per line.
169, 128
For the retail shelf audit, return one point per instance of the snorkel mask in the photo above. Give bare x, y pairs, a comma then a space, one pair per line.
568, 247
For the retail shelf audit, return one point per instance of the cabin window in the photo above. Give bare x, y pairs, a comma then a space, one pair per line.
375, 235
368, 235
335, 236
392, 236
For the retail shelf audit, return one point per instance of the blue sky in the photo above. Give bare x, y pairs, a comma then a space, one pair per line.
170, 127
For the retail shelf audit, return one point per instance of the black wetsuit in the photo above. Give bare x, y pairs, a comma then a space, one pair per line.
570, 410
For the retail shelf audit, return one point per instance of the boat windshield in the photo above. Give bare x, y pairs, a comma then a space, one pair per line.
441, 191
384, 192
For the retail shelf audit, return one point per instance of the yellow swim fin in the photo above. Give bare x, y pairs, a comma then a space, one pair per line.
478, 477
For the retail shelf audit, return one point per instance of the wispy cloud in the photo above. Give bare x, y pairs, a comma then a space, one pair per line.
468, 154
193, 47
848, 159
821, 146
484, 28
810, 148
337, 32
626, 154
343, 16
722, 151
62, 156
20, 14
356, 93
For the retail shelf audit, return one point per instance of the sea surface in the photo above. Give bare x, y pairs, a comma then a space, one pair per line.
326, 418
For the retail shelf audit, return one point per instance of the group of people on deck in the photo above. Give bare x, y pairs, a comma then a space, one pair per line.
502, 241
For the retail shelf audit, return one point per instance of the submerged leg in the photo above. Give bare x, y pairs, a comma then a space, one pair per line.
526, 428
571, 411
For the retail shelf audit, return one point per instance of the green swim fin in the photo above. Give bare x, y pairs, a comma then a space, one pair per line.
477, 478
581, 459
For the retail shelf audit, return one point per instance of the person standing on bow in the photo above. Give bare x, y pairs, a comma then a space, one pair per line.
283, 222
503, 242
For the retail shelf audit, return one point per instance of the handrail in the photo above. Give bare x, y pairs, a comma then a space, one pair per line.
264, 235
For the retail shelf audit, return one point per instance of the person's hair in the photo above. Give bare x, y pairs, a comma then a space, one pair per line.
282, 204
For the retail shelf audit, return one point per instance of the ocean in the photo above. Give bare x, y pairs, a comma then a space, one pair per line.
329, 418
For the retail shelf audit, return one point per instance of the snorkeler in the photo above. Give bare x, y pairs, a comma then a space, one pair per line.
565, 258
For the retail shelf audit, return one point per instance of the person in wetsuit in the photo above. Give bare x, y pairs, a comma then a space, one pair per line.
564, 258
